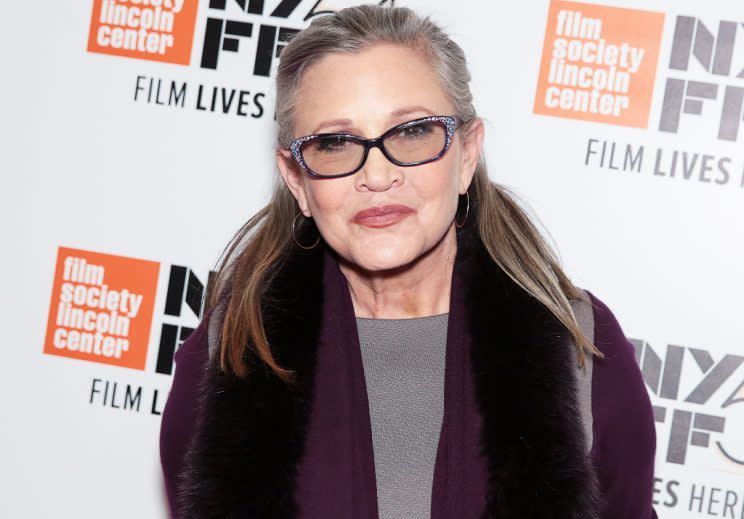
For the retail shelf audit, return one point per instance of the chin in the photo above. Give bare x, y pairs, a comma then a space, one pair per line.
384, 258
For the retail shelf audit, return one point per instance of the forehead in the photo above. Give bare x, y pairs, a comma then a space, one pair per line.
366, 90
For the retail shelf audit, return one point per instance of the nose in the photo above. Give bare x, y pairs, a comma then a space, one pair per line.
378, 173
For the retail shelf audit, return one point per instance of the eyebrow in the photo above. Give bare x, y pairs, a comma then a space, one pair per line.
398, 112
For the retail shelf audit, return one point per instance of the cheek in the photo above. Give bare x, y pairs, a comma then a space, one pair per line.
327, 196
327, 201
438, 192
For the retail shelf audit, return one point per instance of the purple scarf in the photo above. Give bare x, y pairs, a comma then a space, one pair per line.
511, 444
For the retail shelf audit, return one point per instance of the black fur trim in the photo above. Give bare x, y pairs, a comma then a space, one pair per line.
243, 457
524, 377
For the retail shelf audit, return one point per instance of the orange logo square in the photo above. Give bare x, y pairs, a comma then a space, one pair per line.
599, 63
158, 30
101, 308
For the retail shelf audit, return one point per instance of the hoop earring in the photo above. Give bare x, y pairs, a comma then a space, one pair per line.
294, 237
467, 210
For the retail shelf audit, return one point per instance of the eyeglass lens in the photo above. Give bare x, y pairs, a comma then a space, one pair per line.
336, 154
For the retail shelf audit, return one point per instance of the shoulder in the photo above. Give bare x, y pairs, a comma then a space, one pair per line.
617, 378
617, 373
180, 413
609, 336
624, 442
202, 343
600, 326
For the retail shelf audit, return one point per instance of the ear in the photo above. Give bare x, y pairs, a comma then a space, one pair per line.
294, 177
472, 145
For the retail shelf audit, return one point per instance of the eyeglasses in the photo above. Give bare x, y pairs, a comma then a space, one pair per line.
416, 142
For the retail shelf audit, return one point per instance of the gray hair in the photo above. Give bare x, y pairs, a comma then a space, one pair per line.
355, 29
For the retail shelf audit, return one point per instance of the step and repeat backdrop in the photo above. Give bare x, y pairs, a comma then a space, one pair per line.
137, 137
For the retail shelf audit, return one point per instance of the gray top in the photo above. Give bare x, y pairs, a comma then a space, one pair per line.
584, 314
404, 363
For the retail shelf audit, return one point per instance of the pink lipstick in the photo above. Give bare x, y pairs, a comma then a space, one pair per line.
382, 216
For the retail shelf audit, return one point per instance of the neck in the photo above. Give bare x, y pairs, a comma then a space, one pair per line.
417, 289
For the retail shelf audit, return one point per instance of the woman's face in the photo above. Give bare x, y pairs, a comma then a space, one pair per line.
366, 94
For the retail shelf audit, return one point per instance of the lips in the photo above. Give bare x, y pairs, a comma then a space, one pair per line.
383, 215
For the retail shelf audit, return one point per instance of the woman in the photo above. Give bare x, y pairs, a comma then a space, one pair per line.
390, 336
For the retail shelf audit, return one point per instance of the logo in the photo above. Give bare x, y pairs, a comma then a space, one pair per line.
704, 69
159, 30
101, 308
246, 36
222, 34
185, 290
236, 22
599, 63
694, 401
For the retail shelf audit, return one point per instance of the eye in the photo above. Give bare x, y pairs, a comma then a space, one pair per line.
416, 131
331, 144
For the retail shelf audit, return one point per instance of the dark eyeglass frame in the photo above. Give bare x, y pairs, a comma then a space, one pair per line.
450, 121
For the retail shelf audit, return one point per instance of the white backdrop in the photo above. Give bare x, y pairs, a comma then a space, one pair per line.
151, 192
